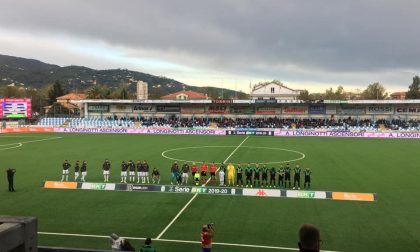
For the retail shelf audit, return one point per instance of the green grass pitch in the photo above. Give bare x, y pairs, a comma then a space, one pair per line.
390, 168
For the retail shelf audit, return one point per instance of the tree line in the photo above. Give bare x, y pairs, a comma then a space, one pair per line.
374, 91
48, 95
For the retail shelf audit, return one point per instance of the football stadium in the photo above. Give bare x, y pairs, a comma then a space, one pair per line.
212, 126
363, 171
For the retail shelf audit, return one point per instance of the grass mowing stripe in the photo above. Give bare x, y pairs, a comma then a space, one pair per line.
388, 167
180, 241
233, 152
176, 217
195, 195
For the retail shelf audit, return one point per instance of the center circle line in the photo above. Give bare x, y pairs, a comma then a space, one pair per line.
164, 153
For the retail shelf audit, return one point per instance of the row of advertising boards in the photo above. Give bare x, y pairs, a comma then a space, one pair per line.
220, 132
258, 192
302, 109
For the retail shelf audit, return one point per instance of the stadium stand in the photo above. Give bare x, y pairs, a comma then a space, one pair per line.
230, 123
102, 123
52, 121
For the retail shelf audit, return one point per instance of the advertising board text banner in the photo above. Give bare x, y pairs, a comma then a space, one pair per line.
60, 185
353, 196
301, 110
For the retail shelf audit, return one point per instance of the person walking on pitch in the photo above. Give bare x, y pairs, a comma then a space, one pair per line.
197, 178
213, 169
123, 172
83, 169
193, 171
273, 177
221, 177
10, 174
66, 166
174, 173
307, 174
231, 174
106, 168
131, 170
155, 176
248, 174
257, 172
185, 173
239, 171
287, 172
203, 172
139, 167
145, 172
280, 171
296, 177
76, 170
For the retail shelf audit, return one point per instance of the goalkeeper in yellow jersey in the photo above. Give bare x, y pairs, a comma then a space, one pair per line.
231, 174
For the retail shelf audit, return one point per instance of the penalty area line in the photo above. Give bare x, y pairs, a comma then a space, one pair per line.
20, 144
195, 195
180, 241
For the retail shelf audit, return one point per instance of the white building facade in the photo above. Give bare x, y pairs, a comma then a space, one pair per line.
273, 90
142, 90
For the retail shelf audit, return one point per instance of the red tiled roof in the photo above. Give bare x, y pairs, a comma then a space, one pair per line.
189, 93
72, 96
66, 105
399, 93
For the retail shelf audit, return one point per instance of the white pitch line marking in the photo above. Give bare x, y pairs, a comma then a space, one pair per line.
181, 241
176, 217
2, 136
302, 155
195, 195
20, 144
40, 140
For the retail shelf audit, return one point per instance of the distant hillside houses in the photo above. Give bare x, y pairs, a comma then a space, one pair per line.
65, 101
398, 95
274, 90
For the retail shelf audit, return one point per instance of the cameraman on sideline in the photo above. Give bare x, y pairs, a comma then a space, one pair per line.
207, 233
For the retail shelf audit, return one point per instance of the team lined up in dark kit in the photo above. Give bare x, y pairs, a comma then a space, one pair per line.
255, 176
127, 169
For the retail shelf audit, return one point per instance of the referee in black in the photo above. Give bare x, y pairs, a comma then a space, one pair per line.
10, 174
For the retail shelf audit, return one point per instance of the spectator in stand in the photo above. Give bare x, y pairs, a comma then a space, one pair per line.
271, 123
10, 174
126, 246
309, 238
116, 242
147, 246
207, 234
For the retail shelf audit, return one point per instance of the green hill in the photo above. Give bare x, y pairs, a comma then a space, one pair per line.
36, 74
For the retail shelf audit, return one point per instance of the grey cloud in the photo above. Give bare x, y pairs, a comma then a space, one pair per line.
240, 36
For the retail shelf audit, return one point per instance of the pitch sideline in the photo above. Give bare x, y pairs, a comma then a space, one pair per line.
181, 241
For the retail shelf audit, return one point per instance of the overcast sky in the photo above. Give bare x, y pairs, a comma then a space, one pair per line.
307, 44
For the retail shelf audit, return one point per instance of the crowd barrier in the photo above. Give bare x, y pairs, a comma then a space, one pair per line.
210, 190
256, 132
